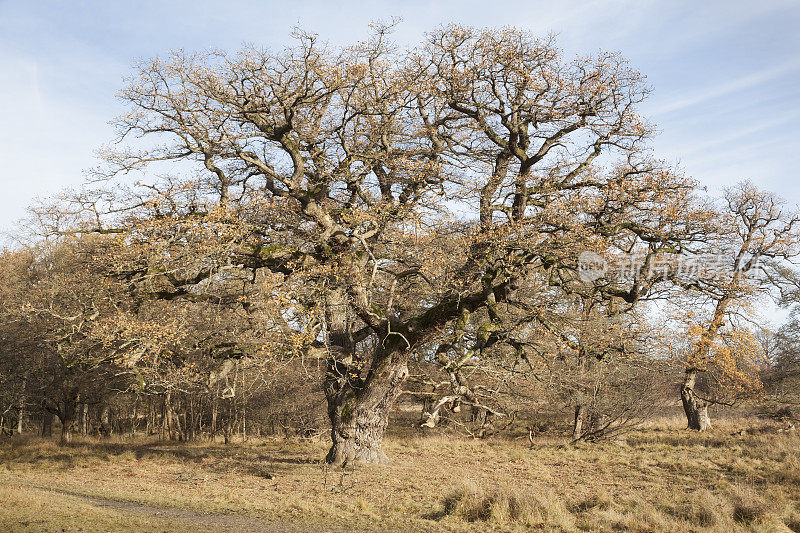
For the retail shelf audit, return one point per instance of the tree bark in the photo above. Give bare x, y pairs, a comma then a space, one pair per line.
148, 425
244, 423
359, 415
21, 410
179, 420
580, 418
696, 409
67, 417
105, 421
214, 408
169, 421
20, 416
47, 424
134, 417
84, 419
359, 402
228, 424
583, 363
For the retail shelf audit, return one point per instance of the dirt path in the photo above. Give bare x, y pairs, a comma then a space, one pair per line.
191, 520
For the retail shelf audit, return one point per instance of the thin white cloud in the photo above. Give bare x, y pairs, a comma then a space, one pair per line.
706, 148
726, 88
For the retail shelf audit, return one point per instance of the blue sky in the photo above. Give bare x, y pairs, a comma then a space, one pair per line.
726, 74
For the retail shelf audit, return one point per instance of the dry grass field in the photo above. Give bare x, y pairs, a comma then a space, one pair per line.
659, 478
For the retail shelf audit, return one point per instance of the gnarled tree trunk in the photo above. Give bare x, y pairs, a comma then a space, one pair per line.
358, 405
696, 409
359, 414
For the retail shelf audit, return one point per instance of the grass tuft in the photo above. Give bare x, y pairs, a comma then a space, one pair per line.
506, 505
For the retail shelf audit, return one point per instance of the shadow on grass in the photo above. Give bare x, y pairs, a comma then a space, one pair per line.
257, 459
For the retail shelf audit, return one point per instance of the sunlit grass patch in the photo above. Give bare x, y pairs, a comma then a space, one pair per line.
659, 480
